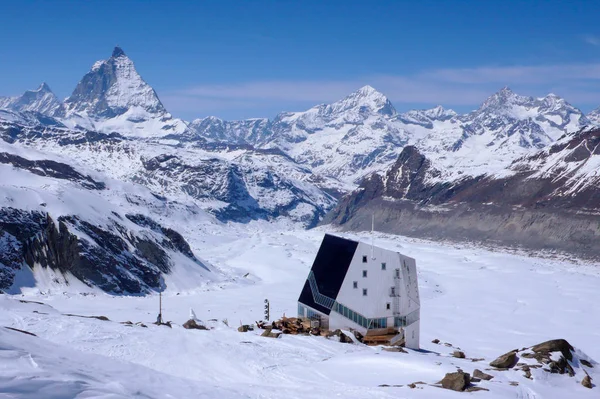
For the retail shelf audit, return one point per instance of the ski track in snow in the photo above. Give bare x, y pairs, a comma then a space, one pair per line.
485, 303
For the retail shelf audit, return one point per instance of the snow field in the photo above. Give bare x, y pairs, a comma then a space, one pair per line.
485, 303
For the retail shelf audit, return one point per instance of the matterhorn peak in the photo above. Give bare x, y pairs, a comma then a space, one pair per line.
113, 87
118, 52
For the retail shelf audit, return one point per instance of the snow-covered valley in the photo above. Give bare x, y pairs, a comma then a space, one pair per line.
485, 303
106, 200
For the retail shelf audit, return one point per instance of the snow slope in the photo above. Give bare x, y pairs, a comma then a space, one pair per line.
75, 226
465, 297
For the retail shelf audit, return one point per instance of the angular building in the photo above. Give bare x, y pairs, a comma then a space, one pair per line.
357, 286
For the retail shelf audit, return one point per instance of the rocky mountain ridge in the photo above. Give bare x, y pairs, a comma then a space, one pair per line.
547, 200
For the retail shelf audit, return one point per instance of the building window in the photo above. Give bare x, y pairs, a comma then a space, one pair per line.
398, 273
364, 258
393, 291
364, 292
364, 273
355, 284
388, 306
383, 266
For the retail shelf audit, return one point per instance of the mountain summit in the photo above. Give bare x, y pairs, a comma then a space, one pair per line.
366, 99
113, 87
40, 100
118, 52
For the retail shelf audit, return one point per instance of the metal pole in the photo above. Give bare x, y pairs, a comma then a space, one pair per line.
372, 236
160, 306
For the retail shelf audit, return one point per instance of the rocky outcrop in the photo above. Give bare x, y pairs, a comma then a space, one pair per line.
98, 256
53, 169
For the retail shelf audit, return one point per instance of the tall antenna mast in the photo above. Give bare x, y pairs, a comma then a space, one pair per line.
372, 236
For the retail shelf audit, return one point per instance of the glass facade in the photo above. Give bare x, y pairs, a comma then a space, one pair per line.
308, 313
403, 321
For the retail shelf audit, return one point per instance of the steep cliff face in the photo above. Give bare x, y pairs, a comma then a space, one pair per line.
549, 200
110, 257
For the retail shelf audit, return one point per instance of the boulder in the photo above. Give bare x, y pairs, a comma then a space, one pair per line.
587, 382
457, 381
345, 339
555, 345
335, 333
270, 334
192, 325
459, 354
505, 361
359, 337
435, 341
243, 328
586, 363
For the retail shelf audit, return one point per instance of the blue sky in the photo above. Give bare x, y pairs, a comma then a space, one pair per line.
239, 59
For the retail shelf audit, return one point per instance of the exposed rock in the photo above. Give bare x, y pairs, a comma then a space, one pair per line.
435, 341
587, 382
555, 345
475, 389
412, 386
21, 331
480, 374
458, 354
514, 383
192, 325
243, 328
586, 363
507, 360
270, 334
359, 337
345, 339
394, 349
103, 318
457, 381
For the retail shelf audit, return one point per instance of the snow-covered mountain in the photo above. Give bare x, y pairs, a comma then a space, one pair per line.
292, 166
594, 116
547, 200
363, 133
113, 97
71, 225
234, 183
41, 100
249, 131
